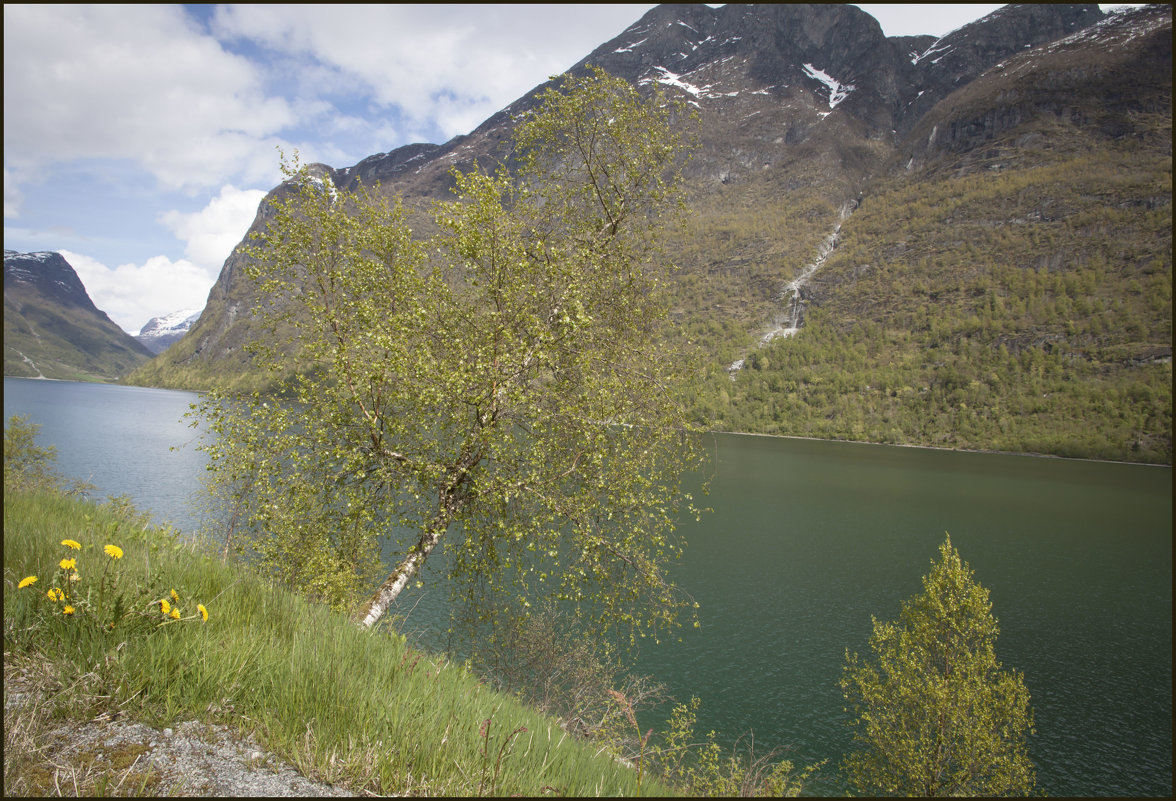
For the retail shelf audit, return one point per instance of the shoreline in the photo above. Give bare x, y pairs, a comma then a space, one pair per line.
756, 434
936, 448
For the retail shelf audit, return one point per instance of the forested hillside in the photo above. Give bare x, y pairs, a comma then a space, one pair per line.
1011, 292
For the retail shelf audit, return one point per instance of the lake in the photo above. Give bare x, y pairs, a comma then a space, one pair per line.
806, 541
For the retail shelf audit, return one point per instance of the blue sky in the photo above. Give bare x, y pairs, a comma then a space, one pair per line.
138, 140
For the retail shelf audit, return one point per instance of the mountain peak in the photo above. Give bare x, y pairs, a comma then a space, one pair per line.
51, 327
51, 274
162, 331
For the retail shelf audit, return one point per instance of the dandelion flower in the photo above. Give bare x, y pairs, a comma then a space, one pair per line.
55, 594
175, 597
164, 606
26, 581
68, 564
175, 614
77, 546
67, 610
203, 612
75, 576
113, 551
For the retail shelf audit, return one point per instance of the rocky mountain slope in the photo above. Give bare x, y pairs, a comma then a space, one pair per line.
1005, 186
53, 330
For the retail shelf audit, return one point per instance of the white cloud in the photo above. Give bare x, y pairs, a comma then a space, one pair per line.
134, 82
211, 233
12, 195
94, 94
131, 294
449, 65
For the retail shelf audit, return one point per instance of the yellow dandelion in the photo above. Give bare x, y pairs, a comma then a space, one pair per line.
77, 546
175, 614
175, 597
67, 610
55, 594
68, 564
164, 606
113, 551
203, 612
26, 581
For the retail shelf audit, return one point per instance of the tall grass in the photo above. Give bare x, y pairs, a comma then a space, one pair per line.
361, 709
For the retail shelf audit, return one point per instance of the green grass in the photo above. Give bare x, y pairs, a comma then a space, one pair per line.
356, 708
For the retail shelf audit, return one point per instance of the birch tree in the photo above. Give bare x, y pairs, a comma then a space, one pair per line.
500, 389
935, 712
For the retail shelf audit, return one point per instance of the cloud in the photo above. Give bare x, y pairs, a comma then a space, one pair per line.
131, 294
211, 233
115, 112
135, 82
445, 67
12, 195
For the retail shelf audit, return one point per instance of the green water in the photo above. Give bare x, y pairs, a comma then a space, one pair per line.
806, 541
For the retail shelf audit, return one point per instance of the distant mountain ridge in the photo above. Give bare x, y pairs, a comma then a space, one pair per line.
160, 332
820, 135
52, 329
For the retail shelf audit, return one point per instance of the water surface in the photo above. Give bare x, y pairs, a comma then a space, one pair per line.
807, 540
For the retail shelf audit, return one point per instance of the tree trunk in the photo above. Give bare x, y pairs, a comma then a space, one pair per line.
452, 497
375, 608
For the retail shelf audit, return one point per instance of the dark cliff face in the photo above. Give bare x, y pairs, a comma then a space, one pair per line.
49, 275
764, 48
1097, 81
961, 56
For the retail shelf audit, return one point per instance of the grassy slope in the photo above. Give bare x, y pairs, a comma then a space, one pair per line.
355, 708
75, 348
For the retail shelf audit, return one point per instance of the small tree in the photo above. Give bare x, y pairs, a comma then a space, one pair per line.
501, 387
936, 715
29, 467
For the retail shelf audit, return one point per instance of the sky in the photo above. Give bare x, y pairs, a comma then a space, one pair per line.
139, 139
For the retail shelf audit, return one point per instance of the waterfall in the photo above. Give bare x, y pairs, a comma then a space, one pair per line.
791, 318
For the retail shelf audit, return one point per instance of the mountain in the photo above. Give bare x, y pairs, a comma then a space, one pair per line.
961, 241
53, 330
160, 332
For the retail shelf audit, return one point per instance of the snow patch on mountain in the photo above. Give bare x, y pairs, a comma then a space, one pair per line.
934, 49
177, 320
837, 91
629, 48
672, 79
